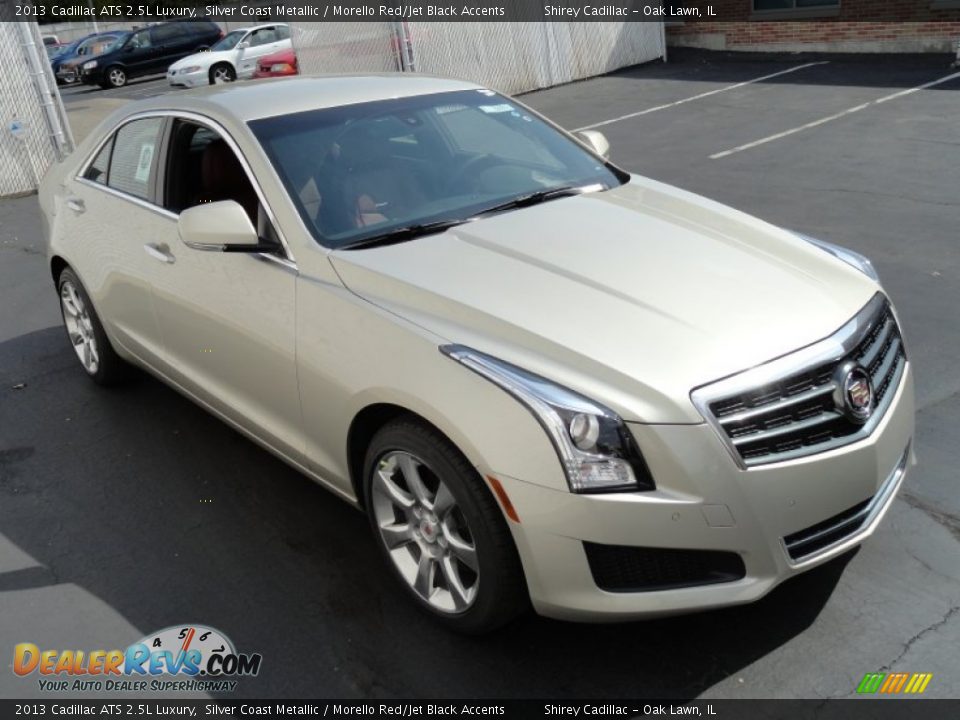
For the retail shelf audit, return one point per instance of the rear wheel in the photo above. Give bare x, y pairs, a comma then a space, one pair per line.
115, 77
440, 530
86, 334
222, 73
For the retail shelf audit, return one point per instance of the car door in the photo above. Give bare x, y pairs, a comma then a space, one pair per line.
106, 216
260, 43
139, 54
227, 319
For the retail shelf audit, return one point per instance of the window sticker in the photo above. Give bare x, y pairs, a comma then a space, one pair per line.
143, 164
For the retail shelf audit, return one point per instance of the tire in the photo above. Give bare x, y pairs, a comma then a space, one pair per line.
114, 77
85, 332
222, 73
496, 592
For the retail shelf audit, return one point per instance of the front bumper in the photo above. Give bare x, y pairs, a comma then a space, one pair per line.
197, 78
705, 502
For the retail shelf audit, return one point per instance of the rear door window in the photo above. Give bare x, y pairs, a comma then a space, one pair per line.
134, 160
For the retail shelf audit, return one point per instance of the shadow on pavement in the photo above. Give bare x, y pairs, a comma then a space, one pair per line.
166, 514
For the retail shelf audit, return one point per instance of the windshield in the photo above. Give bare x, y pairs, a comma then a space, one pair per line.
229, 41
363, 170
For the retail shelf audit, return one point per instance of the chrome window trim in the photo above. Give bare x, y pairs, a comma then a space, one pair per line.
830, 349
869, 517
288, 261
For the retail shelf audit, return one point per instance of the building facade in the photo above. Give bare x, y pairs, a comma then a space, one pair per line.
822, 26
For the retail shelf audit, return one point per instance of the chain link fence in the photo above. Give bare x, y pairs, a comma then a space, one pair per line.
510, 57
517, 57
345, 47
35, 133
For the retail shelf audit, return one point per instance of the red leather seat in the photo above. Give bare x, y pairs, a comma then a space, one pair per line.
222, 177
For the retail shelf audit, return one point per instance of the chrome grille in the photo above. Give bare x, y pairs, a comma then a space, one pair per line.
788, 409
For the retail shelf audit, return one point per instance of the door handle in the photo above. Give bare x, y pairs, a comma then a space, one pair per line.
76, 204
159, 252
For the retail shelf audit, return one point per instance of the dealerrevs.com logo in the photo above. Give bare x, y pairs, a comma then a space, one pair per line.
181, 658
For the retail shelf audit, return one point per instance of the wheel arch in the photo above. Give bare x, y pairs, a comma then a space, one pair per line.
368, 422
57, 266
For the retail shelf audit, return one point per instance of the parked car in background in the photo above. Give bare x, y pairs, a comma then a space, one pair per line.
234, 57
277, 65
544, 379
149, 51
66, 65
50, 40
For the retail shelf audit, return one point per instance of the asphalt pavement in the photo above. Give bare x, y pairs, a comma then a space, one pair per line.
125, 511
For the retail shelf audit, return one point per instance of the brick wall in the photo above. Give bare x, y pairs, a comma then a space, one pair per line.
857, 26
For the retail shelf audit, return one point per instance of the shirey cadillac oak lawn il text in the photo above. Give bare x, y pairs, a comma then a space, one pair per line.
544, 379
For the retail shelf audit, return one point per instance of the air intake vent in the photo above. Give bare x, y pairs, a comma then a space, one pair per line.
620, 568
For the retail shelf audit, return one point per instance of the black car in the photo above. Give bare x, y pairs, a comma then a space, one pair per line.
149, 51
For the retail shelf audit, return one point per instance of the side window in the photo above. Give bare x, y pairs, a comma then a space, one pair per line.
165, 33
202, 168
283, 32
133, 162
97, 171
262, 36
140, 40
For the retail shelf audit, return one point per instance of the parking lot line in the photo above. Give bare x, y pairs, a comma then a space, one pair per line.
700, 96
835, 116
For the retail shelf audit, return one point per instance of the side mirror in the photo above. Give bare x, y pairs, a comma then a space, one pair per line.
243, 45
220, 227
596, 141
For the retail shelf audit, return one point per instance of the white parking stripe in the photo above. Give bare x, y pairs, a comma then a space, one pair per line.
698, 97
836, 116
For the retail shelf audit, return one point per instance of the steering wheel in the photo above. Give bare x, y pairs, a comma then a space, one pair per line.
473, 164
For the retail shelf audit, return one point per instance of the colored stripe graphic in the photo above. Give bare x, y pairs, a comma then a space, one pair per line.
894, 683
870, 683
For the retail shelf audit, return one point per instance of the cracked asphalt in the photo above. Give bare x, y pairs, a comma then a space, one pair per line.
103, 535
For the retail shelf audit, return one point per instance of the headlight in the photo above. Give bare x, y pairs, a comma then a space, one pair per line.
90, 65
850, 257
596, 450
190, 69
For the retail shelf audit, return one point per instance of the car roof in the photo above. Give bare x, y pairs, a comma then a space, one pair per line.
258, 99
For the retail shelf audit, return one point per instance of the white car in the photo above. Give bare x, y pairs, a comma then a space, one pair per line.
234, 57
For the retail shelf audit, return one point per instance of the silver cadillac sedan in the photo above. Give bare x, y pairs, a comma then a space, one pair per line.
545, 380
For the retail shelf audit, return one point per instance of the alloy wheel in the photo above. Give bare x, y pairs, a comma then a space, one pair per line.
222, 75
425, 532
79, 327
117, 77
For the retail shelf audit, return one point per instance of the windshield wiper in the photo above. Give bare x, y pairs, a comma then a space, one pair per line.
535, 198
402, 234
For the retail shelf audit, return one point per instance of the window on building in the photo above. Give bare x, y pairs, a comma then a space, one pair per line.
760, 5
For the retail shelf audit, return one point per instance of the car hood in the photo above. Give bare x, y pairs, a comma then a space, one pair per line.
204, 59
633, 296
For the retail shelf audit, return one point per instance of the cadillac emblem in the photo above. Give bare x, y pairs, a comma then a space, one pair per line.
854, 394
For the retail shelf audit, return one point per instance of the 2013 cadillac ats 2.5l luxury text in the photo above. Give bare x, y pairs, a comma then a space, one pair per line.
544, 379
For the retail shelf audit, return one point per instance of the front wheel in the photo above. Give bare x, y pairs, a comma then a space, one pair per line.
223, 73
115, 77
440, 530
